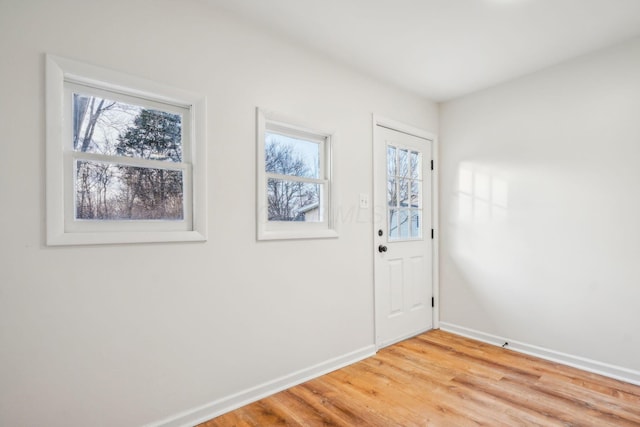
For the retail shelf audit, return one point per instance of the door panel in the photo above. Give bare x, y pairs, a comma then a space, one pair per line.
418, 290
403, 259
395, 287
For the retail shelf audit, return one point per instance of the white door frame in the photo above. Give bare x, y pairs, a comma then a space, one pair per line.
421, 133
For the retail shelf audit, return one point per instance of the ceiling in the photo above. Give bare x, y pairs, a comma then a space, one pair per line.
442, 49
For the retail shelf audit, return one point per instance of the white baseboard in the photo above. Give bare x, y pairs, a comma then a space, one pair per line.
612, 371
218, 407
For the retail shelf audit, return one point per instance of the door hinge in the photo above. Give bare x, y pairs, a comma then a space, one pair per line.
432, 233
431, 164
433, 302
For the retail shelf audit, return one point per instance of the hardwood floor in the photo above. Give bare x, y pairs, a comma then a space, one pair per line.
441, 379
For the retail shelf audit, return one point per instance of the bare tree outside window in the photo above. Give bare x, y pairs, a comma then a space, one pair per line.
111, 191
290, 199
404, 186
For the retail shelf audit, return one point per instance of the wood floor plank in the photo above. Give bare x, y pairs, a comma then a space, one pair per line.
440, 379
435, 395
419, 404
474, 400
364, 407
341, 414
498, 363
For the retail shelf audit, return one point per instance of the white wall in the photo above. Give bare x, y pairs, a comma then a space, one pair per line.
124, 335
556, 264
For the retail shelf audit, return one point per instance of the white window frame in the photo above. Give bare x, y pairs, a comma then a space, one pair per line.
62, 76
278, 230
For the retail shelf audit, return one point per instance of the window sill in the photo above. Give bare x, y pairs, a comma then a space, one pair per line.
297, 234
110, 238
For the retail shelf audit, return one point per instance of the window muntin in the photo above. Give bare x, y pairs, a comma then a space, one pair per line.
121, 165
404, 193
294, 183
294, 180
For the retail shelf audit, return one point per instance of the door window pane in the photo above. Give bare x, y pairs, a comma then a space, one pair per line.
403, 163
391, 160
416, 165
403, 220
398, 224
392, 192
416, 194
404, 193
416, 224
394, 231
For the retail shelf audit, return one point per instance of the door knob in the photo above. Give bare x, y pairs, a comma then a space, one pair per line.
382, 248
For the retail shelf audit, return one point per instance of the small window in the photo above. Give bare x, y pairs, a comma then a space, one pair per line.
294, 180
121, 158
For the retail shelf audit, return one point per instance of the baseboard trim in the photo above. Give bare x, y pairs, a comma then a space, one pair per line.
611, 371
218, 407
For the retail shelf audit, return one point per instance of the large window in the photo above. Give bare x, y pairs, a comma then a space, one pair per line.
121, 158
294, 180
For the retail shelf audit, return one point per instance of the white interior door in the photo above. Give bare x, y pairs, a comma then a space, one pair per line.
403, 236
